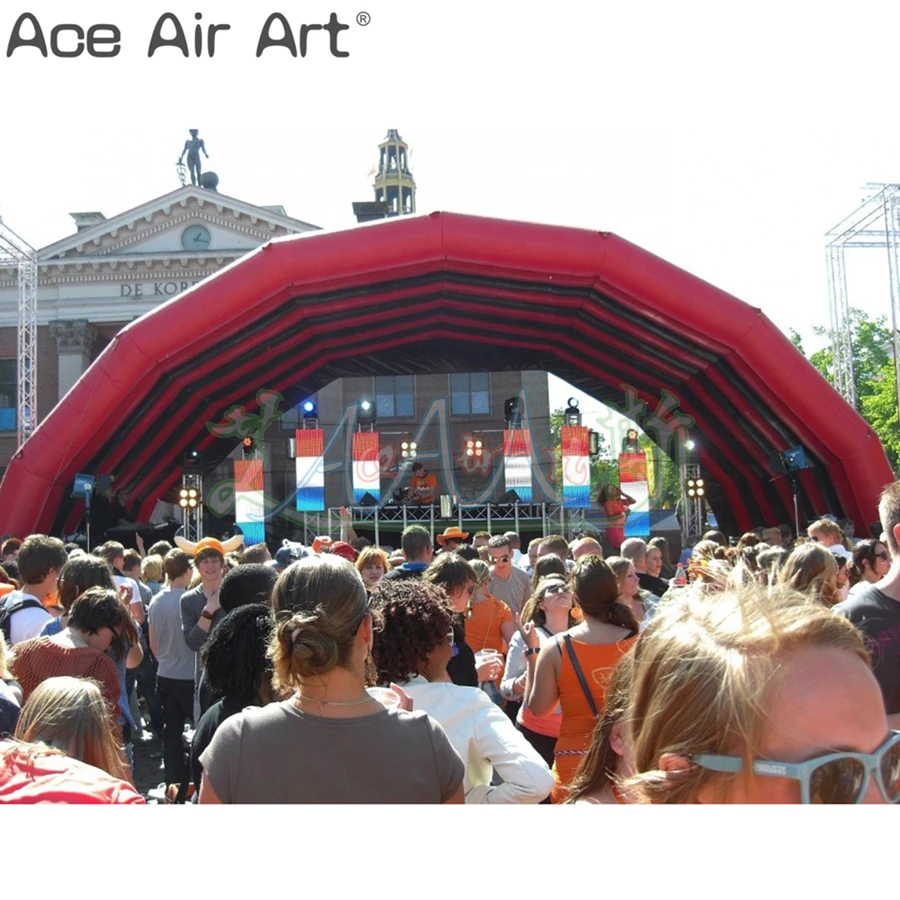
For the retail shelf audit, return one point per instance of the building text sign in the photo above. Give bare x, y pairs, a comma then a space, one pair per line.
155, 288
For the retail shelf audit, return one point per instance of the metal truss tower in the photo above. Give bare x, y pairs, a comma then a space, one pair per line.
874, 223
15, 251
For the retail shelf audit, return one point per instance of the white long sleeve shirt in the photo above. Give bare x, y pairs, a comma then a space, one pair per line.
487, 741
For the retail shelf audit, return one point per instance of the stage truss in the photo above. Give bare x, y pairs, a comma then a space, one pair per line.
875, 223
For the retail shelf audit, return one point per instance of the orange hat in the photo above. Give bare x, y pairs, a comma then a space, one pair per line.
452, 533
322, 543
209, 544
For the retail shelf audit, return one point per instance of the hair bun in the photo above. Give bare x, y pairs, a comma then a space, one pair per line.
314, 648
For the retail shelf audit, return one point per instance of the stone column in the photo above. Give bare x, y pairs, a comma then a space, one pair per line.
74, 342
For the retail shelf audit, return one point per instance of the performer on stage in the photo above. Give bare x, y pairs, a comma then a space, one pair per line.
423, 485
630, 443
615, 505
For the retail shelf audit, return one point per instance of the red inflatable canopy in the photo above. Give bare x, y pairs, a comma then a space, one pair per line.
445, 292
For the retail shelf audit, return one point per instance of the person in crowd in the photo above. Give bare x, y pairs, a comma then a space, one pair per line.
413, 650
418, 551
527, 563
787, 536
78, 575
70, 714
748, 539
160, 548
549, 610
842, 577
571, 669
451, 539
144, 674
802, 720
515, 545
238, 671
345, 550
508, 583
457, 578
641, 603
372, 564
875, 610
489, 622
255, 553
35, 773
586, 546
7, 584
717, 537
608, 761
468, 553
548, 564
98, 620
10, 693
615, 505
422, 484
153, 573
662, 568
39, 561
247, 583
637, 551
114, 554
331, 741
9, 550
828, 533
811, 569
871, 562
770, 563
176, 662
555, 543
201, 607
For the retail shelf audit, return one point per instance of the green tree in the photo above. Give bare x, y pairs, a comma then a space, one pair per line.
873, 375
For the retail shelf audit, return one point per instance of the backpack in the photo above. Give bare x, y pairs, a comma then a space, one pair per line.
8, 610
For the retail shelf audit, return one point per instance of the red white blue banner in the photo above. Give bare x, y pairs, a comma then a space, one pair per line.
576, 466
249, 500
366, 465
517, 463
309, 459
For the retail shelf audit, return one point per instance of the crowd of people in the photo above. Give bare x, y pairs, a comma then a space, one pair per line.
764, 668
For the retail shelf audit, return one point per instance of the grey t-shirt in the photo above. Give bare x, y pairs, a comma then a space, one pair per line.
176, 659
513, 591
278, 754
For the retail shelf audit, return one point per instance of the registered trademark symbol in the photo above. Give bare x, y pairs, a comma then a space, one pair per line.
363, 18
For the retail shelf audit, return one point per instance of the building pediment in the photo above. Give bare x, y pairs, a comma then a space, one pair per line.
157, 228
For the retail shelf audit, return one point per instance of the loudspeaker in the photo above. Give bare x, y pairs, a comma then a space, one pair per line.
510, 497
794, 460
368, 500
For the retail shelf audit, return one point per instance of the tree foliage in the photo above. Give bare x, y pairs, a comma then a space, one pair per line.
874, 375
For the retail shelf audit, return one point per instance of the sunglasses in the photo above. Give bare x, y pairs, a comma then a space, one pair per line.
504, 558
556, 589
832, 778
884, 555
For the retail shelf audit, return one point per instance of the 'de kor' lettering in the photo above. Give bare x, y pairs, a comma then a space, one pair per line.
266, 40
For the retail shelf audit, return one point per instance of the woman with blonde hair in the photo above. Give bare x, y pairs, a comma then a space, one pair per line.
630, 593
71, 715
748, 698
812, 570
371, 564
573, 668
331, 741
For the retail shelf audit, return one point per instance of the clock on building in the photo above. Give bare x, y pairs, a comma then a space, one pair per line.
195, 237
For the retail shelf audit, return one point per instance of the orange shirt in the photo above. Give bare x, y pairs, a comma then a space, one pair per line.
6, 588
483, 627
423, 488
597, 662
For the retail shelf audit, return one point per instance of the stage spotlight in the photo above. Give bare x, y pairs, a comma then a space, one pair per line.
510, 409
308, 408
367, 417
247, 444
571, 414
474, 447
689, 444
593, 443
409, 449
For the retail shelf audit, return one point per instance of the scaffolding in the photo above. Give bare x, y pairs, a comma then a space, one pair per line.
875, 223
18, 253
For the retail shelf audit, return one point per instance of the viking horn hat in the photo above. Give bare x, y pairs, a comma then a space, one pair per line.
193, 548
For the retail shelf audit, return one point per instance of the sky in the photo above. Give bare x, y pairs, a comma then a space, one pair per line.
726, 140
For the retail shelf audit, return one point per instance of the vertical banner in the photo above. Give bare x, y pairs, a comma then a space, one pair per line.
633, 481
309, 459
576, 466
366, 466
517, 463
249, 503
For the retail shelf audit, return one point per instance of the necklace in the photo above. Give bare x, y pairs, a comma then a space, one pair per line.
299, 698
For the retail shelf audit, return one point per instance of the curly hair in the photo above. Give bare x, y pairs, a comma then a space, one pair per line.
417, 618
235, 656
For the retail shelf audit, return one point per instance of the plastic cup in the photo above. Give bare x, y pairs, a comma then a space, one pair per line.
385, 696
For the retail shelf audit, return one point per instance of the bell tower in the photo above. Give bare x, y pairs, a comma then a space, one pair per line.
394, 184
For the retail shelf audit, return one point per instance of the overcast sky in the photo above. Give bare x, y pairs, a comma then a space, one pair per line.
726, 140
